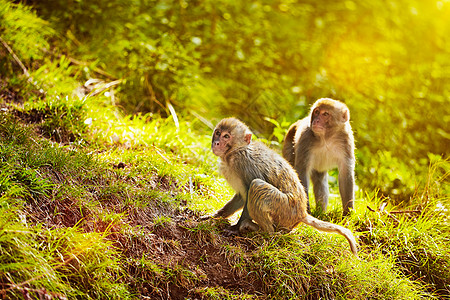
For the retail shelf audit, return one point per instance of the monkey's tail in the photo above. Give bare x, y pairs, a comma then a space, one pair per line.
333, 228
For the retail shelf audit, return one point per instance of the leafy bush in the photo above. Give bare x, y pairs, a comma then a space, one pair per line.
26, 33
258, 60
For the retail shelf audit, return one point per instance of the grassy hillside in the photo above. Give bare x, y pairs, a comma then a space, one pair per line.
97, 219
122, 222
88, 214
99, 204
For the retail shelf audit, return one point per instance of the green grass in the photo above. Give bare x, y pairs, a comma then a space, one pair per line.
46, 262
121, 221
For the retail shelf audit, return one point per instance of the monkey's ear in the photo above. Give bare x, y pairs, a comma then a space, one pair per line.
346, 115
248, 138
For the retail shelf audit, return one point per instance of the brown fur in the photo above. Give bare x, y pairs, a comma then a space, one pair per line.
312, 153
267, 187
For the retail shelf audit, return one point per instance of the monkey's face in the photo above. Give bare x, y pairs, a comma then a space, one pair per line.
222, 142
230, 134
320, 120
328, 116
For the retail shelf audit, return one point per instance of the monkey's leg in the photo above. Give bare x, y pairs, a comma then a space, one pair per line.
346, 184
269, 207
321, 191
288, 146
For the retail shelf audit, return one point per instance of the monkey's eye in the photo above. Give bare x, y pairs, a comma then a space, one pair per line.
316, 112
227, 136
217, 132
326, 114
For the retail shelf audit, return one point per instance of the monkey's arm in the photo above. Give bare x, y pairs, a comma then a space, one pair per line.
236, 203
288, 145
244, 219
301, 167
232, 206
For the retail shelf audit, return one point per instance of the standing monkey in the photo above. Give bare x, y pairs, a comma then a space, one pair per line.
320, 142
267, 187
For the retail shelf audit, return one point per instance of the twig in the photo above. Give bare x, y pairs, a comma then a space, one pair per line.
85, 64
100, 87
19, 62
160, 154
16, 58
202, 119
371, 209
174, 114
392, 216
414, 211
81, 63
382, 206
152, 93
381, 210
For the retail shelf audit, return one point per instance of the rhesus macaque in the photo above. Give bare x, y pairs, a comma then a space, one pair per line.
266, 185
320, 142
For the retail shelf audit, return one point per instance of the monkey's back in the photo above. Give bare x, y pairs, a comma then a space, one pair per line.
259, 161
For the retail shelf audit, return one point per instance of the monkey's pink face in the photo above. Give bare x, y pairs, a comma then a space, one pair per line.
221, 142
320, 121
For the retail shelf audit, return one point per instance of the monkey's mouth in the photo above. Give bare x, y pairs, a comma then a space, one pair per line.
216, 151
220, 151
318, 128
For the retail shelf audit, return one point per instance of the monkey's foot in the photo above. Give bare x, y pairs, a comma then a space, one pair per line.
248, 226
231, 231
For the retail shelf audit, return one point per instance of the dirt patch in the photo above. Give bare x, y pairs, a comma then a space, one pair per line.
166, 252
178, 257
195, 258
9, 94
32, 116
164, 183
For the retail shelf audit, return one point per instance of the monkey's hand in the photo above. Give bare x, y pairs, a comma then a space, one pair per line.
206, 217
210, 216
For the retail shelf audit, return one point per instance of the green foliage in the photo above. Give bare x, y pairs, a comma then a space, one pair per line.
96, 204
60, 262
19, 176
145, 131
414, 237
279, 130
57, 78
220, 293
24, 32
60, 120
24, 254
54, 237
321, 272
264, 60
